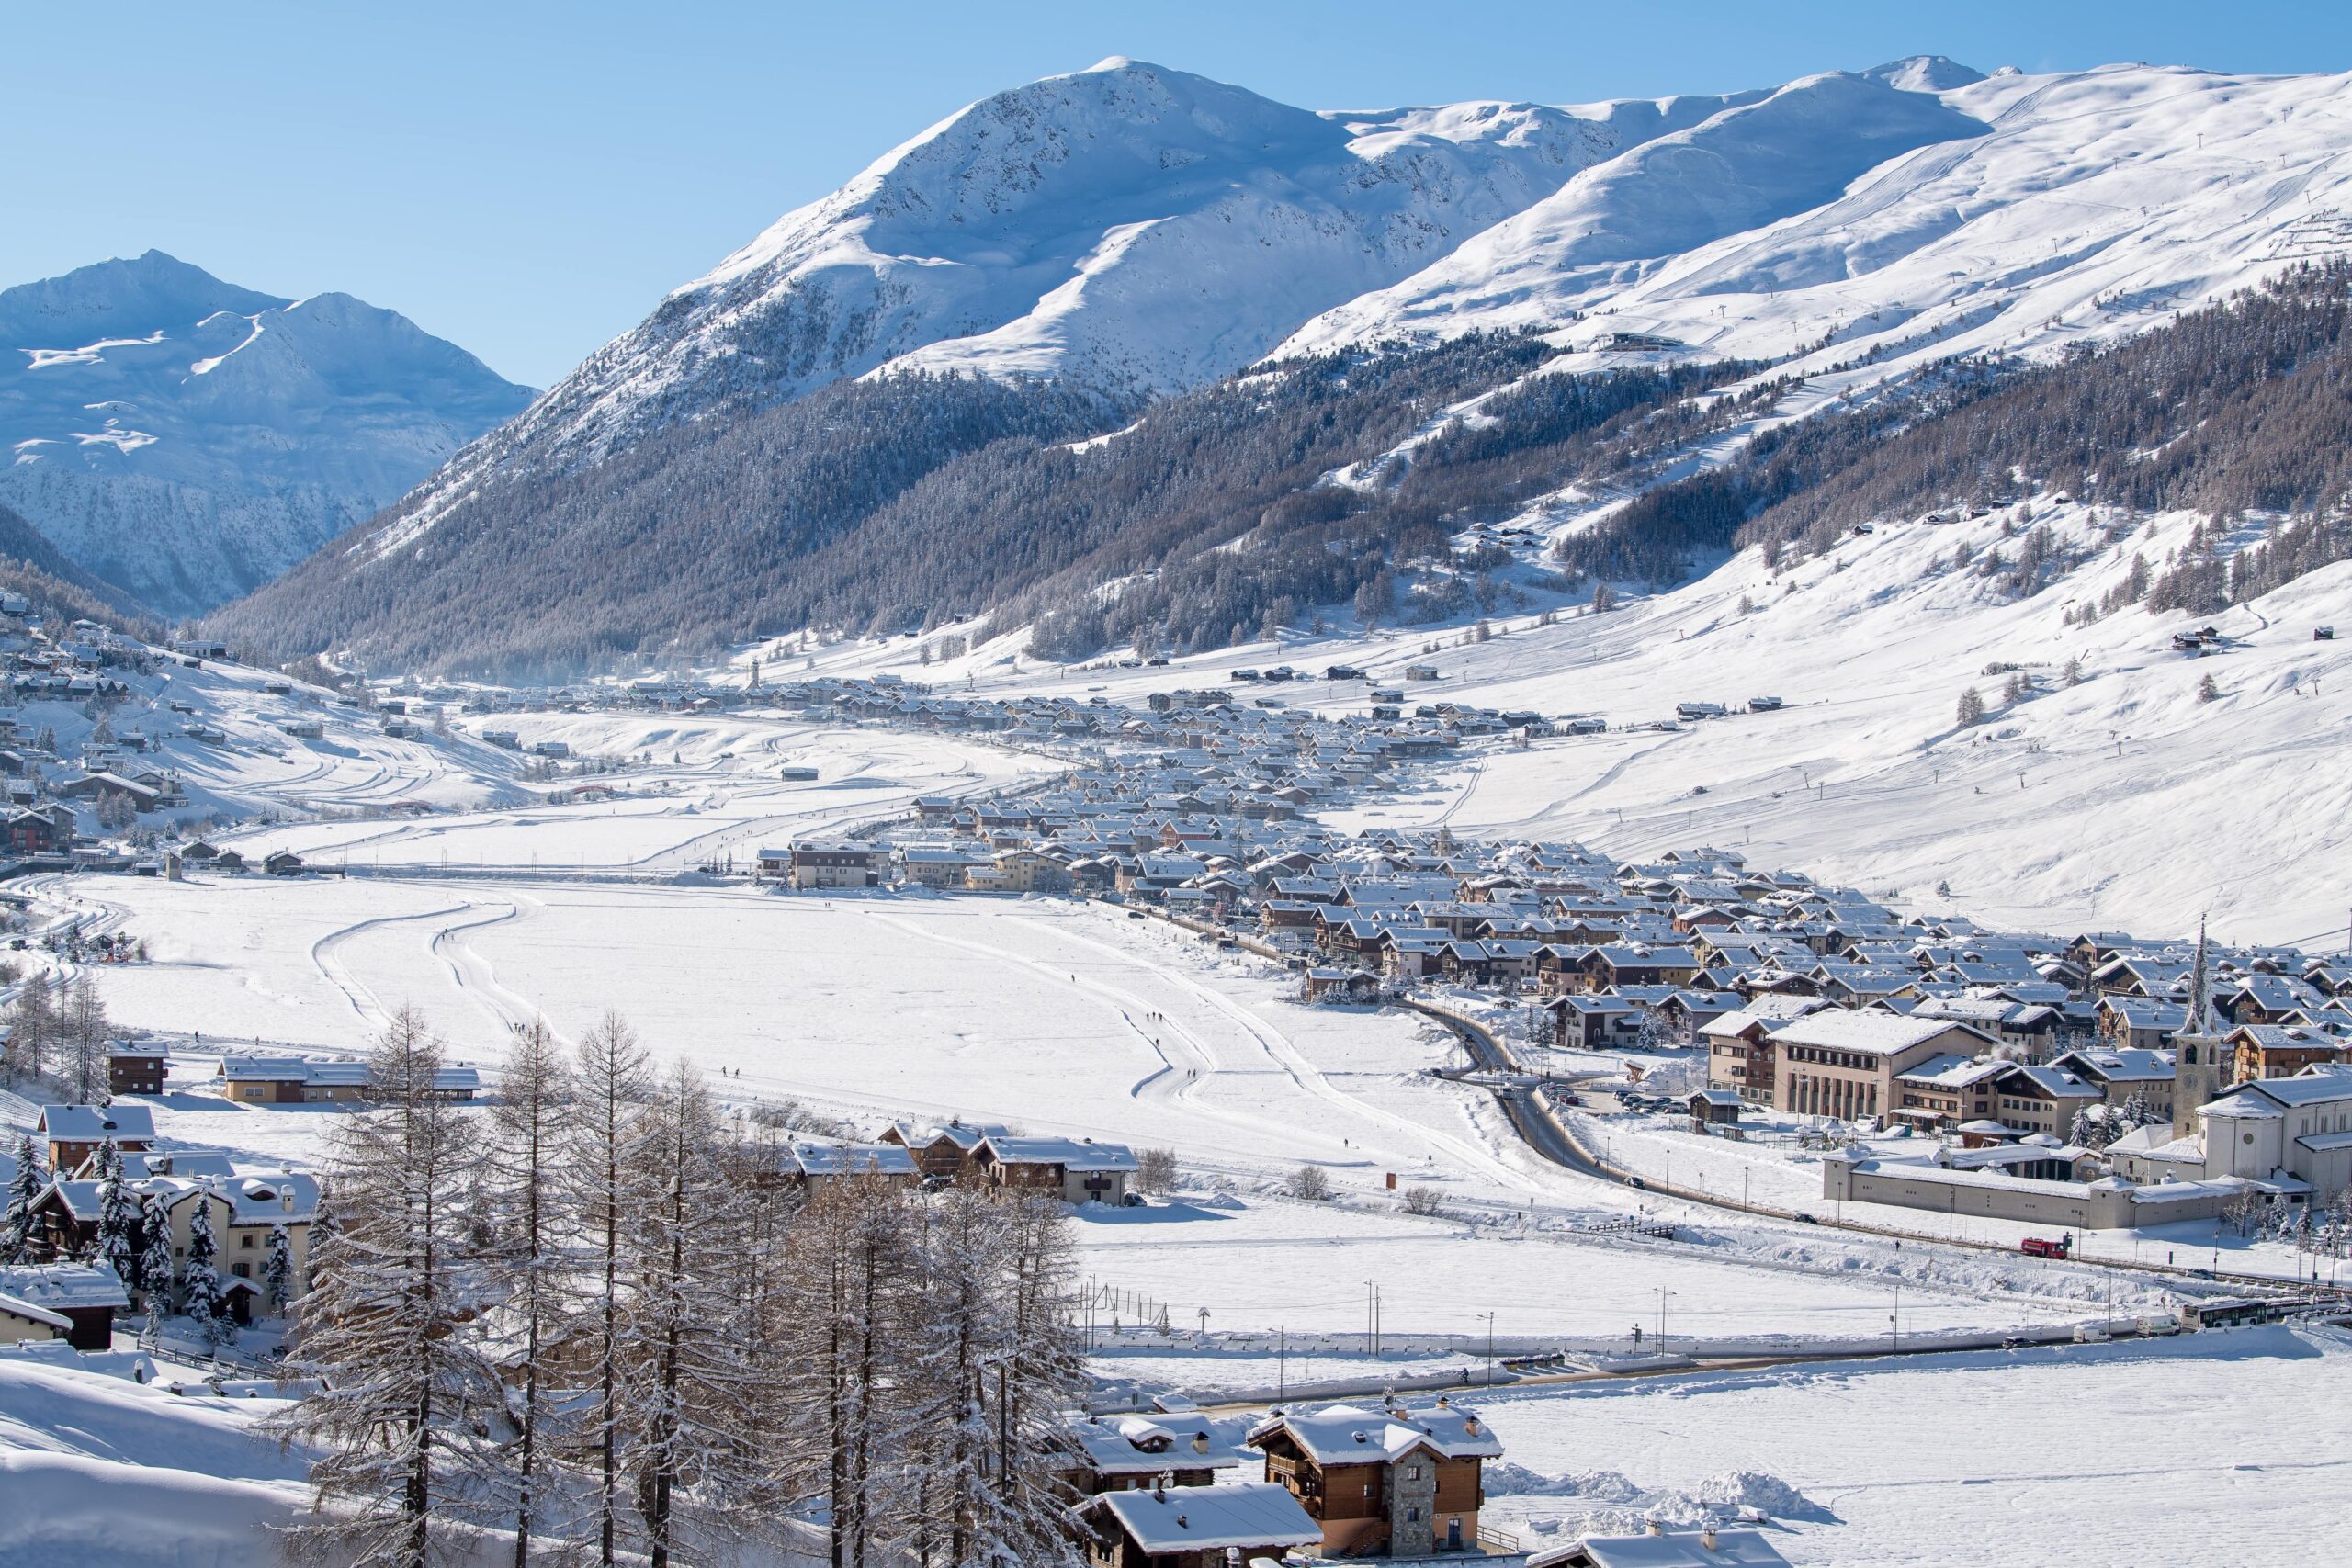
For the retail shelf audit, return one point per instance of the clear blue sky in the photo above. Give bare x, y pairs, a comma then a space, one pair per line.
528, 179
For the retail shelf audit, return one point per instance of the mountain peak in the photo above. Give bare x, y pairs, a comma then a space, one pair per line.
1926, 74
186, 439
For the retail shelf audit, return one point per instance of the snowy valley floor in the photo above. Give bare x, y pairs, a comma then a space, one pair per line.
1071, 1019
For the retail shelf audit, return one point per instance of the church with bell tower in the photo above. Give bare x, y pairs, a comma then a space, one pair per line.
2197, 1048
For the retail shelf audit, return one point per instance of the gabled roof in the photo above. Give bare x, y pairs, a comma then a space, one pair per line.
1207, 1519
1673, 1549
91, 1125
2131, 1065
965, 1135
1880, 1034
1143, 1445
850, 1159
2304, 1088
64, 1286
1353, 1434
1071, 1154
1954, 1071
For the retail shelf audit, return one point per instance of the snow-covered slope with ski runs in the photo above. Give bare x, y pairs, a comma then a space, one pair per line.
2024, 213
188, 439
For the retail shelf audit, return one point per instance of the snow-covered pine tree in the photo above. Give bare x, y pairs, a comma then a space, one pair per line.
526, 1258
118, 1240
25, 1184
693, 1426
277, 1271
399, 1415
154, 1259
605, 1196
202, 1299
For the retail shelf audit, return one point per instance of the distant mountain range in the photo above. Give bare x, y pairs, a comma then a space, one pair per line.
1113, 242
188, 440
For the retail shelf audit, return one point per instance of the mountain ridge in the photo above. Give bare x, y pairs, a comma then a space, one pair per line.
1817, 244
188, 439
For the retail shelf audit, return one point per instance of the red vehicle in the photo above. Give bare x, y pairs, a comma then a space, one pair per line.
2038, 1246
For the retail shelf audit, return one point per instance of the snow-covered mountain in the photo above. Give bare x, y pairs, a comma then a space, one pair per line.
1133, 227
188, 440
1137, 232
1908, 214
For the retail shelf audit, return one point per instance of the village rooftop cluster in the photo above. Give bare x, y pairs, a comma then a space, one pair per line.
2067, 1079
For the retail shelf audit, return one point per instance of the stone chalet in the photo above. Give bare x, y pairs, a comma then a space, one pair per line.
1396, 1482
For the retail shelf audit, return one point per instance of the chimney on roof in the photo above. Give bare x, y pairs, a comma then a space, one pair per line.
1707, 1537
1653, 1527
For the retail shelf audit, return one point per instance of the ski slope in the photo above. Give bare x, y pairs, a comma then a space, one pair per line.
2048, 209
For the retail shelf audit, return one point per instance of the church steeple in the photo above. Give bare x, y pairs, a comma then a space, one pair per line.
2200, 991
2196, 1049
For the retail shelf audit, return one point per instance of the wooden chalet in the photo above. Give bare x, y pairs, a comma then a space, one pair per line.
1399, 1482
944, 1154
75, 1132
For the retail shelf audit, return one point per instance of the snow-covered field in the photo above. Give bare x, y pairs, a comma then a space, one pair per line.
1052, 1016
97, 1470
1071, 1019
2226, 1449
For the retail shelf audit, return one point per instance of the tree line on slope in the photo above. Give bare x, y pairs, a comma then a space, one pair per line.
901, 503
589, 1318
2243, 406
61, 592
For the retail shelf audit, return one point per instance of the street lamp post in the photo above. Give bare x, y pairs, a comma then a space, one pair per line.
1490, 1349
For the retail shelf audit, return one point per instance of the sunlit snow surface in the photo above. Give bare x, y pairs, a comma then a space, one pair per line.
1072, 1020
